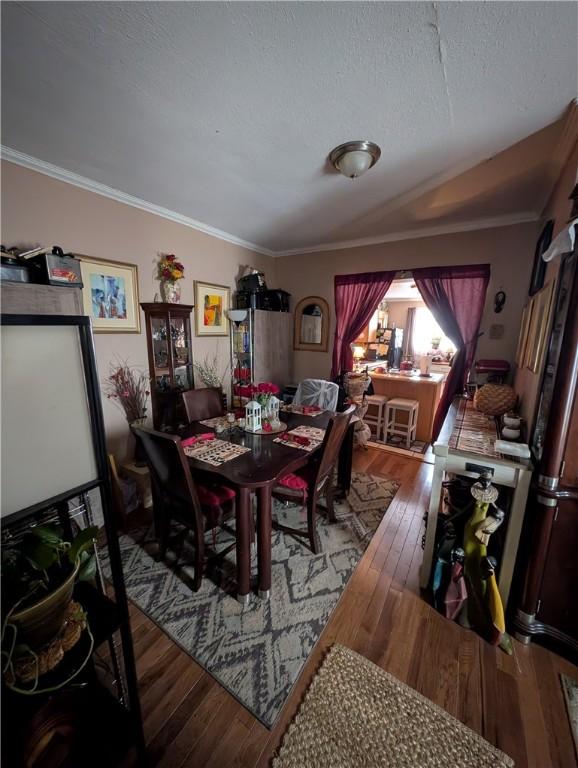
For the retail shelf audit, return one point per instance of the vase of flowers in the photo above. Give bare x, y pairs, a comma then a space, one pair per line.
170, 271
128, 388
263, 393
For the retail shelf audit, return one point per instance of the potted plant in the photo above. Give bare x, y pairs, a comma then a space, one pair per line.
208, 371
38, 577
128, 388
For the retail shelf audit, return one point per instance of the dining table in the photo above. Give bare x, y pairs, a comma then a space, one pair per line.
257, 472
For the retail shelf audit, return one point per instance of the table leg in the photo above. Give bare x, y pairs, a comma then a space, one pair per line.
264, 540
243, 544
344, 464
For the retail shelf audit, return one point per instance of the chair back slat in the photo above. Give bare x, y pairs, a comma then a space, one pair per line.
203, 403
332, 442
170, 473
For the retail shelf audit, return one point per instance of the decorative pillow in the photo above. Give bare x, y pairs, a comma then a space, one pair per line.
494, 399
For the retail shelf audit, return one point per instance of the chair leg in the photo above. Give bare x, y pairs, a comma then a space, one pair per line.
311, 527
329, 497
199, 562
164, 525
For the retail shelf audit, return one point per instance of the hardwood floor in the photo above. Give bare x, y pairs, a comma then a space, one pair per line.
514, 702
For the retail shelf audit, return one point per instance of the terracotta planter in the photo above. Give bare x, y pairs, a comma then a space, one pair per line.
41, 622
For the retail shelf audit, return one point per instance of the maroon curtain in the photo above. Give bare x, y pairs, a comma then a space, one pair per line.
455, 296
356, 299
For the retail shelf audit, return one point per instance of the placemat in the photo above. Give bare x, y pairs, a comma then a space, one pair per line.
302, 410
215, 452
314, 435
212, 423
473, 432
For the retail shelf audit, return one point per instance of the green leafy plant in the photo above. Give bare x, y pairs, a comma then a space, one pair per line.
42, 561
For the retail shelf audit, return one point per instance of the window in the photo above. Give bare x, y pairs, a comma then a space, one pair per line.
427, 335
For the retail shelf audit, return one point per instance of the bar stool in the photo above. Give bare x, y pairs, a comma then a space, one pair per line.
375, 419
394, 427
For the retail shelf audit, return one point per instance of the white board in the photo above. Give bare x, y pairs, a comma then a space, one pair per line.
46, 440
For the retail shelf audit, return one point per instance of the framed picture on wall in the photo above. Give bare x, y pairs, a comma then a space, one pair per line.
523, 337
110, 295
539, 268
211, 307
539, 324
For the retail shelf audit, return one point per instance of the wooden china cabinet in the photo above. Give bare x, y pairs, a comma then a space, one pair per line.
170, 360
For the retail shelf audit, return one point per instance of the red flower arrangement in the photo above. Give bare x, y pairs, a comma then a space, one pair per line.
262, 392
170, 270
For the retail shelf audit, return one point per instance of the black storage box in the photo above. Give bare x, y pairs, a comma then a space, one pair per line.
274, 300
255, 281
56, 268
14, 270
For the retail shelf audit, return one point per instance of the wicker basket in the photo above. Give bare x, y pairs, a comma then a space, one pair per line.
355, 384
494, 399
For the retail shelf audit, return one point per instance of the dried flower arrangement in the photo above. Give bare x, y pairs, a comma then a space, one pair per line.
129, 389
208, 370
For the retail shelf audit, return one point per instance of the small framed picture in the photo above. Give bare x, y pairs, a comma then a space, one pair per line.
539, 325
539, 269
211, 307
110, 295
523, 338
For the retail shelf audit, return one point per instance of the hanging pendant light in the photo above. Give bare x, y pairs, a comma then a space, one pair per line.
354, 158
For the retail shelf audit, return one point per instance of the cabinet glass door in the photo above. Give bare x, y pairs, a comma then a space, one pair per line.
182, 372
162, 370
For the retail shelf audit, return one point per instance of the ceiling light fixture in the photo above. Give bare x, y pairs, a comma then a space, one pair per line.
354, 158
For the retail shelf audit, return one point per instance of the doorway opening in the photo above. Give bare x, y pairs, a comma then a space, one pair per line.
408, 357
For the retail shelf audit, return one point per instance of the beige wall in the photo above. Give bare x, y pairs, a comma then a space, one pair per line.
398, 312
509, 251
38, 210
559, 206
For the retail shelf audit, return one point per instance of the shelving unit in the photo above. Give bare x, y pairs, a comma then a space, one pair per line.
242, 364
260, 350
94, 718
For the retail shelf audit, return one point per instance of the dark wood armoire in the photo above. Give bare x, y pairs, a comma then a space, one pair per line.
548, 563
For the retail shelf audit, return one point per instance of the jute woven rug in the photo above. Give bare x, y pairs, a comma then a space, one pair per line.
257, 651
356, 715
570, 688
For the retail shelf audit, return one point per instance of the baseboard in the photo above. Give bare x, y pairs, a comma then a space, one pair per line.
424, 458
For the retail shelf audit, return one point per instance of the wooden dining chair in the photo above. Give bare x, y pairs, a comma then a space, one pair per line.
177, 496
203, 403
316, 479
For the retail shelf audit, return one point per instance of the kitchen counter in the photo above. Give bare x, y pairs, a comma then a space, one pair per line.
433, 378
427, 390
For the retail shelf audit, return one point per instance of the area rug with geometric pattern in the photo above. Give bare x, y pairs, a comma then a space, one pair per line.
257, 651
357, 714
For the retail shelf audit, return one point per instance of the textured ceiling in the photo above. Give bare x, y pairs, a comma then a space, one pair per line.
225, 112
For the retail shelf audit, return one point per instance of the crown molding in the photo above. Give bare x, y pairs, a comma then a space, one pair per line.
61, 174
48, 169
414, 234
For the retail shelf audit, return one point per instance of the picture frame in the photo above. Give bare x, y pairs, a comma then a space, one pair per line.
539, 325
212, 302
523, 337
539, 268
110, 295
